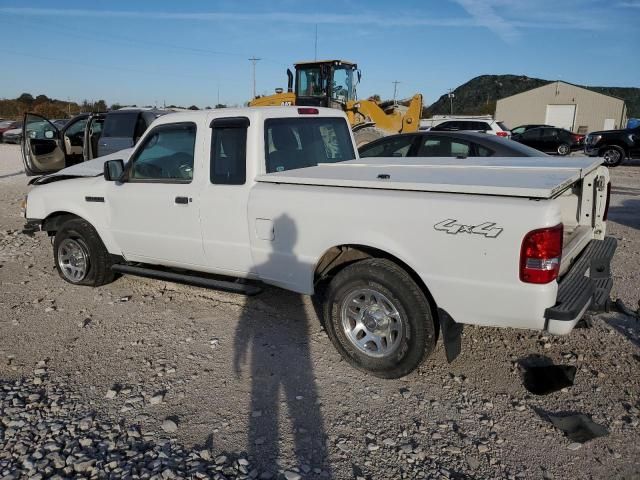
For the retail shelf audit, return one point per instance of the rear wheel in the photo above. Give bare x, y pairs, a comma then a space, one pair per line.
379, 319
367, 134
564, 149
81, 257
612, 156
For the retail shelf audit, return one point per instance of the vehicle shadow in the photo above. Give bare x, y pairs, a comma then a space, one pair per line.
626, 326
283, 387
628, 213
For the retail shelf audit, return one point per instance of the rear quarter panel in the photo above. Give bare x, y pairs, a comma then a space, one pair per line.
474, 277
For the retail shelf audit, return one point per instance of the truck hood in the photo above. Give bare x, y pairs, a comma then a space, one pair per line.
532, 177
607, 132
91, 168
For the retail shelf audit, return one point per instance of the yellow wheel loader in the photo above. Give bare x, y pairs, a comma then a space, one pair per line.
330, 83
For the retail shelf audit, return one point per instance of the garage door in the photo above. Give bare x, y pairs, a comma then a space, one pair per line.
561, 116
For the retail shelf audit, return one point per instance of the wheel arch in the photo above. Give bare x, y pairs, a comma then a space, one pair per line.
620, 145
52, 222
339, 257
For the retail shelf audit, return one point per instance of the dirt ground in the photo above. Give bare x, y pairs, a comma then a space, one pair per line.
257, 379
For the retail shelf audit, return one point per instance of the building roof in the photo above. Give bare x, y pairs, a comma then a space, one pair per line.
566, 83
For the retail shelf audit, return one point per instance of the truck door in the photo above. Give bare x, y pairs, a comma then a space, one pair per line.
154, 211
225, 197
42, 146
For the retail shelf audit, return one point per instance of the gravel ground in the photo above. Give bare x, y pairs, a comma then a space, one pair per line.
149, 379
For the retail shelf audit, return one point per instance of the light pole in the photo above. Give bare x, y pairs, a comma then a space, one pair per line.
254, 60
451, 95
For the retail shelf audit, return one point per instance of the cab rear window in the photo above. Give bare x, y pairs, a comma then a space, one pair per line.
292, 143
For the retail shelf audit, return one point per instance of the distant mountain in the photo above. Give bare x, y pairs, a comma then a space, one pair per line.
479, 95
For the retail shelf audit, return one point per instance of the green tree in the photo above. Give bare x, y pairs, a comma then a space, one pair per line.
193, 107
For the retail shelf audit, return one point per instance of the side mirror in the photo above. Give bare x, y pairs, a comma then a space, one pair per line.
113, 170
48, 134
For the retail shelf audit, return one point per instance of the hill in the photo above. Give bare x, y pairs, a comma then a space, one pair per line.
479, 95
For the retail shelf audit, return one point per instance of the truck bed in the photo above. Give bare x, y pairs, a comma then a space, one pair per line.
531, 177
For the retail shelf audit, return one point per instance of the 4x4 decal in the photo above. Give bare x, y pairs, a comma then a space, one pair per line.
488, 229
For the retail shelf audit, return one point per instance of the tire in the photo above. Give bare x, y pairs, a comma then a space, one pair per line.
397, 331
367, 134
80, 256
612, 155
564, 149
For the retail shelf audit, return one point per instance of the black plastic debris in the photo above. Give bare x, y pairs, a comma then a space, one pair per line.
549, 378
578, 427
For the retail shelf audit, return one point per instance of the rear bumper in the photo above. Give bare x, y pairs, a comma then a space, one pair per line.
586, 286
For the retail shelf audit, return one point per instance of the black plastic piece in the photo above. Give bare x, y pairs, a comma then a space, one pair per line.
32, 226
577, 290
191, 279
182, 200
451, 335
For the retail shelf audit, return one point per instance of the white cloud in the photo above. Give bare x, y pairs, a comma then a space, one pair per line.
484, 13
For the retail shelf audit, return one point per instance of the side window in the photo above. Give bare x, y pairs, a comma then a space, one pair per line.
443, 147
483, 151
166, 154
120, 125
75, 133
533, 134
393, 147
229, 152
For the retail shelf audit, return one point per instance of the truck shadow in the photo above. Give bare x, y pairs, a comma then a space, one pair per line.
625, 326
283, 387
628, 213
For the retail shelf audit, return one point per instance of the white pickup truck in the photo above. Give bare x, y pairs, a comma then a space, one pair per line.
396, 249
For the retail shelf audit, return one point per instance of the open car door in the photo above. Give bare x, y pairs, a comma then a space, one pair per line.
92, 134
42, 148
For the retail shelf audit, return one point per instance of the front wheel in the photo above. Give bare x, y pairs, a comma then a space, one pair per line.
612, 156
564, 149
379, 319
81, 257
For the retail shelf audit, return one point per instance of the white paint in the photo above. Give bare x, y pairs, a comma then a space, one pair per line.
609, 124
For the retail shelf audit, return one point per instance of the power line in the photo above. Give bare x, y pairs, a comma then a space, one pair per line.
254, 60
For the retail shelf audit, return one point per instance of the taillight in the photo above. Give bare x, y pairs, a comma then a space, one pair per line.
308, 111
540, 255
502, 134
578, 138
606, 205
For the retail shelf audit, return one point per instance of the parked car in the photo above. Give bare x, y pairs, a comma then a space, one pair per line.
523, 128
84, 137
446, 144
7, 125
12, 136
551, 140
394, 251
614, 146
486, 126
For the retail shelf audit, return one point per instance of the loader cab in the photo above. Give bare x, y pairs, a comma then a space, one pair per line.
328, 83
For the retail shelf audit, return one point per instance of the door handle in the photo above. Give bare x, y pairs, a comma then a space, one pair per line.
182, 200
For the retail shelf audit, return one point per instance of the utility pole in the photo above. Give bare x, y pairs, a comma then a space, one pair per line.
315, 46
254, 60
395, 90
451, 95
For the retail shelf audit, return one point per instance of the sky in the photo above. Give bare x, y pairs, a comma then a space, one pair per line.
196, 52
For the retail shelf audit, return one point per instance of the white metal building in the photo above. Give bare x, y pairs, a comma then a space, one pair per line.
563, 105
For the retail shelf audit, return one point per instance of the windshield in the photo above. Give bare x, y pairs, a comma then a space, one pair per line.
292, 143
309, 81
342, 88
